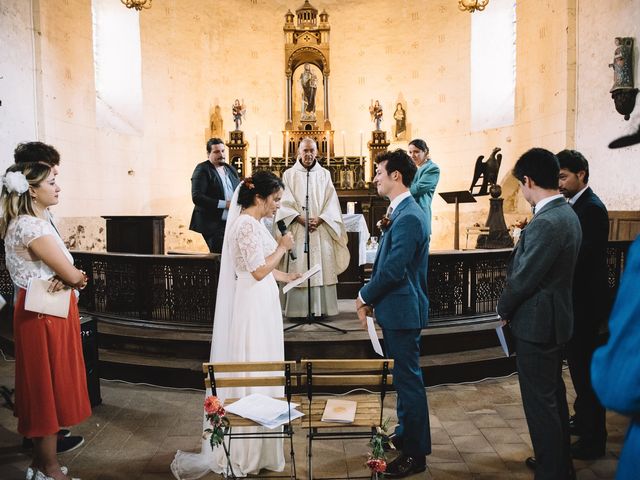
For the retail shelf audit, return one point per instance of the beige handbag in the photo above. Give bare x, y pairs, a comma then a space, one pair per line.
39, 300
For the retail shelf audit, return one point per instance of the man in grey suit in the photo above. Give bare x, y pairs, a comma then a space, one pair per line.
537, 305
212, 185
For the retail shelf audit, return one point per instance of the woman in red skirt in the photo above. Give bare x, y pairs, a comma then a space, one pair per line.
51, 387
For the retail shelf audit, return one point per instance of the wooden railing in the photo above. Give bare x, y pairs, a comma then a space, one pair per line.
179, 291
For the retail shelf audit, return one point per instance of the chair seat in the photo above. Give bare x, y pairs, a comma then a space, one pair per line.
238, 421
367, 412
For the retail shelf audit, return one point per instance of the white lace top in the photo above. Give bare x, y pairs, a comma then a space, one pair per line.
251, 244
21, 263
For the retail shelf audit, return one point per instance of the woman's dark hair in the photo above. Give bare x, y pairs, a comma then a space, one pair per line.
30, 152
261, 184
420, 144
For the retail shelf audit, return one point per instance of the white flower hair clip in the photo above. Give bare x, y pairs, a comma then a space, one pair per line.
15, 182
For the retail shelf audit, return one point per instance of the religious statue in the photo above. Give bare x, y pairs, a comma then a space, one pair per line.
309, 83
376, 113
400, 117
623, 91
239, 110
215, 123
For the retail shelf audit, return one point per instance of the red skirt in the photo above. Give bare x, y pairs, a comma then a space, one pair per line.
51, 382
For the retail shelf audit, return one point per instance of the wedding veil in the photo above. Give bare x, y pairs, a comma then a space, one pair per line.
191, 466
226, 288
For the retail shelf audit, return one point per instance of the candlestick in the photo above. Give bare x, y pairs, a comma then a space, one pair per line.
286, 149
344, 150
327, 134
256, 149
361, 141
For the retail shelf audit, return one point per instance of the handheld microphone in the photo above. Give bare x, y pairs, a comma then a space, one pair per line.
283, 229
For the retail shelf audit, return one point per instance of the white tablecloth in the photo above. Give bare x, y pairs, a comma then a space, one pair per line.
354, 222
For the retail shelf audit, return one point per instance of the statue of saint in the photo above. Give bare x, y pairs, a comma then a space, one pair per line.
239, 110
215, 123
309, 83
376, 113
400, 117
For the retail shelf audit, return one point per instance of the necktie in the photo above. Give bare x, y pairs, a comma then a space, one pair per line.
389, 211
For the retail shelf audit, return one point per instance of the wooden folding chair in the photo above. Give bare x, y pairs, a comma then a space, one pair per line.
281, 377
319, 375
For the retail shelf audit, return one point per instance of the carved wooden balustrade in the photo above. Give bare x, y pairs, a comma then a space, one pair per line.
179, 291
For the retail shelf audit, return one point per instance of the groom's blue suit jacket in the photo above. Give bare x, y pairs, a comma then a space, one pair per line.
398, 286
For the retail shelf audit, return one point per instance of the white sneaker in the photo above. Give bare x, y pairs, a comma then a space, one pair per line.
31, 473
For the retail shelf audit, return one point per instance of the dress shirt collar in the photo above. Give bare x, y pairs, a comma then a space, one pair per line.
574, 199
396, 201
544, 201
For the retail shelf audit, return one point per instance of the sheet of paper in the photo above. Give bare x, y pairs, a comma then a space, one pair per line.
282, 419
503, 341
373, 335
312, 271
259, 408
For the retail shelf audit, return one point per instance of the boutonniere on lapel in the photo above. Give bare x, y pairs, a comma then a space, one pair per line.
384, 223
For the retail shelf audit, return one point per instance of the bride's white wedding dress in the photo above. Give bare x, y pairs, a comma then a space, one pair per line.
247, 328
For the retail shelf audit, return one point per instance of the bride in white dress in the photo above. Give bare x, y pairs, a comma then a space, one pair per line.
248, 321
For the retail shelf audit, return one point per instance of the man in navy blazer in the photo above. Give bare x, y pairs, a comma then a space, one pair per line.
537, 305
397, 292
212, 185
590, 303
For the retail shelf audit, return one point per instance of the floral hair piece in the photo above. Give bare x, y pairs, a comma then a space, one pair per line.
248, 182
15, 182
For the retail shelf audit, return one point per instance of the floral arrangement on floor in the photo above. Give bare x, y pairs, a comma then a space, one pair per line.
215, 415
377, 461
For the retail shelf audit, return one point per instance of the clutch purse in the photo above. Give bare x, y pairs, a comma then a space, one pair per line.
39, 300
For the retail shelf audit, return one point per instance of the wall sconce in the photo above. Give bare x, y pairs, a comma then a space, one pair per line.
472, 5
137, 4
623, 92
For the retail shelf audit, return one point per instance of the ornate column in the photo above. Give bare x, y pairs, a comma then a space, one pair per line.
289, 104
327, 121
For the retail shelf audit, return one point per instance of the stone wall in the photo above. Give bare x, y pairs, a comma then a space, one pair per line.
197, 54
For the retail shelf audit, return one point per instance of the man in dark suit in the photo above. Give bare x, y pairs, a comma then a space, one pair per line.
590, 303
212, 186
398, 293
537, 305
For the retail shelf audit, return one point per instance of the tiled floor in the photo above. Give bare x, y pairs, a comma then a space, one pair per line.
478, 432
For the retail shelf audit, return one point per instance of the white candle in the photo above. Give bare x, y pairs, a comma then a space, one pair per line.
256, 149
270, 161
361, 141
344, 150
286, 149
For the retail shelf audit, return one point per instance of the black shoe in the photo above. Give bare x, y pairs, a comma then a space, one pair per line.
531, 463
27, 443
404, 465
66, 444
587, 450
573, 426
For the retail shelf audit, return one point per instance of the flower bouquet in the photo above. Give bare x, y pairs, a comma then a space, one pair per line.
377, 461
216, 416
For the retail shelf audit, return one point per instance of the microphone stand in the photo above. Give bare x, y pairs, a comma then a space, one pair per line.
310, 320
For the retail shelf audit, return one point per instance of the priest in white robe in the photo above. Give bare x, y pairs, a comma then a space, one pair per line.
327, 237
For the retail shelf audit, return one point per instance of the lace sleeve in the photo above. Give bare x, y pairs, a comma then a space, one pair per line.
250, 246
29, 228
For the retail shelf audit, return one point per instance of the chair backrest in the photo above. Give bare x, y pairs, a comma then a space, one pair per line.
347, 372
282, 376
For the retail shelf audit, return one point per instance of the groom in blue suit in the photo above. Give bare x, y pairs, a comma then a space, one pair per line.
397, 292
